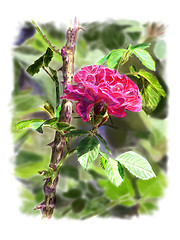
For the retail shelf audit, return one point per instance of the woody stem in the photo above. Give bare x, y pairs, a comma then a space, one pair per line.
67, 53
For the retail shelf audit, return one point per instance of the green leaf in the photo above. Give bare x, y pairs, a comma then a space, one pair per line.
115, 193
48, 57
76, 133
121, 170
150, 99
140, 46
35, 124
103, 162
152, 188
104, 155
48, 108
103, 141
102, 60
70, 172
78, 205
153, 81
103, 159
62, 125
51, 121
25, 157
25, 103
29, 169
136, 164
45, 58
58, 110
132, 69
87, 151
145, 58
72, 193
35, 67
114, 57
112, 170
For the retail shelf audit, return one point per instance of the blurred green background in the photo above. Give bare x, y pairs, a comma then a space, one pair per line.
82, 194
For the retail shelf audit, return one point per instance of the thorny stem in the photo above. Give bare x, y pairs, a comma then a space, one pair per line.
67, 53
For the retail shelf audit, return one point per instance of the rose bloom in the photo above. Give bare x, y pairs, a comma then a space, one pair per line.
98, 85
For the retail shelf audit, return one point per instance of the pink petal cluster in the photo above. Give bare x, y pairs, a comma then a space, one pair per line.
98, 84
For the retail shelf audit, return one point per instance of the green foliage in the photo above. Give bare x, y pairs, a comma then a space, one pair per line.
87, 151
105, 58
136, 164
58, 110
114, 193
141, 46
76, 133
135, 131
35, 124
43, 60
103, 141
30, 168
112, 36
63, 126
35, 67
112, 169
144, 57
26, 103
153, 81
115, 57
47, 57
121, 56
150, 98
24, 157
72, 193
152, 188
49, 108
78, 205
51, 121
150, 89
70, 172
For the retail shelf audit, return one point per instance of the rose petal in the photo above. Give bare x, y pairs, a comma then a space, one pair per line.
83, 109
98, 83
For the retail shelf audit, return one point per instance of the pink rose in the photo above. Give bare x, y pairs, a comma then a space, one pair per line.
97, 85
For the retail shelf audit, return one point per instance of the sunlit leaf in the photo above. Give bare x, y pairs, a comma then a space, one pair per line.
150, 99
87, 151
136, 164
141, 46
145, 58
102, 60
112, 170
153, 81
114, 57
35, 124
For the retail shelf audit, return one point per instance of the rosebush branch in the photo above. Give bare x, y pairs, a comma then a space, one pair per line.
67, 53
